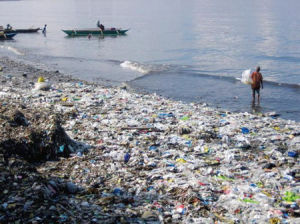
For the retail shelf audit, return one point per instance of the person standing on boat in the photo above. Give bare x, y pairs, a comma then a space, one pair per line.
100, 25
257, 82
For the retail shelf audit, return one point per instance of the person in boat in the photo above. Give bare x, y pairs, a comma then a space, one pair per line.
45, 28
257, 83
100, 25
8, 27
2, 34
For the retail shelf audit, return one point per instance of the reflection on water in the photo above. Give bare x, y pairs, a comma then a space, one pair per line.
256, 108
220, 37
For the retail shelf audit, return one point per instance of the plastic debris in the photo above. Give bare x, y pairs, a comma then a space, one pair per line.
126, 157
246, 77
41, 84
109, 155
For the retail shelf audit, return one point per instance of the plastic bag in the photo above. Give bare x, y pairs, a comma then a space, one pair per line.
42, 86
246, 77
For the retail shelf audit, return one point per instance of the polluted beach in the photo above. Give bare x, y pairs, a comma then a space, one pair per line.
130, 112
78, 152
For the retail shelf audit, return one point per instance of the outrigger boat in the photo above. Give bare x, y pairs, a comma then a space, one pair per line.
95, 31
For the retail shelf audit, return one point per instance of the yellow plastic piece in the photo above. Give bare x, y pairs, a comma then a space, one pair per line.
205, 149
180, 160
41, 79
274, 220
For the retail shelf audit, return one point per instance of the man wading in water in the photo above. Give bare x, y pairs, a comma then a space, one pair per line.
257, 82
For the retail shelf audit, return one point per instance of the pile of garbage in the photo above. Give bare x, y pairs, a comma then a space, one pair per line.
36, 139
147, 159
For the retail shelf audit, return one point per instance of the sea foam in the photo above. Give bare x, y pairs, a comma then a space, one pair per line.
12, 49
135, 66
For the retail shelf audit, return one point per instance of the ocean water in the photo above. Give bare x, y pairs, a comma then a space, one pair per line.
189, 50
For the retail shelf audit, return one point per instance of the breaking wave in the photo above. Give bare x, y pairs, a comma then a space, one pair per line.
147, 69
135, 66
144, 68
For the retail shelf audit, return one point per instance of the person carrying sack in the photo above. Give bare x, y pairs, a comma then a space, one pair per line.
257, 82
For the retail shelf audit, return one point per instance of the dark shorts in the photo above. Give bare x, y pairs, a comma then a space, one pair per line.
255, 90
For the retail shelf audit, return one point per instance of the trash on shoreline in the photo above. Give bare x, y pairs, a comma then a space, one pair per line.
41, 84
38, 139
151, 160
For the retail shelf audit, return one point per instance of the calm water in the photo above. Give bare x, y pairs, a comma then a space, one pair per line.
190, 50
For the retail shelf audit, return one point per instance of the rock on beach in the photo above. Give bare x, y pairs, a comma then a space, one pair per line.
80, 152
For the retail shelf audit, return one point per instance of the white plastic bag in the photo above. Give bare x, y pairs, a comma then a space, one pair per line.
246, 77
42, 86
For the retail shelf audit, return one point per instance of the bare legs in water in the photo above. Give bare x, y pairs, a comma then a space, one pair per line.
253, 96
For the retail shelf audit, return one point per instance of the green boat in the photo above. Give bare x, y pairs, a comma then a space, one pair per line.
95, 31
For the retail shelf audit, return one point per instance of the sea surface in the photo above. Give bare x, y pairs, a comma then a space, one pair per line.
189, 50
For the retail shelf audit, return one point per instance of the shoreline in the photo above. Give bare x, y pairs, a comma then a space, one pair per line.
143, 157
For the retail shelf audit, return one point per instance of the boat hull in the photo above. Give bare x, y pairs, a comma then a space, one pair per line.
86, 32
27, 30
7, 36
22, 30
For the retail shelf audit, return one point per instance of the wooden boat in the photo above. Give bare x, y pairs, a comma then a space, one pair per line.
7, 36
30, 30
95, 31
